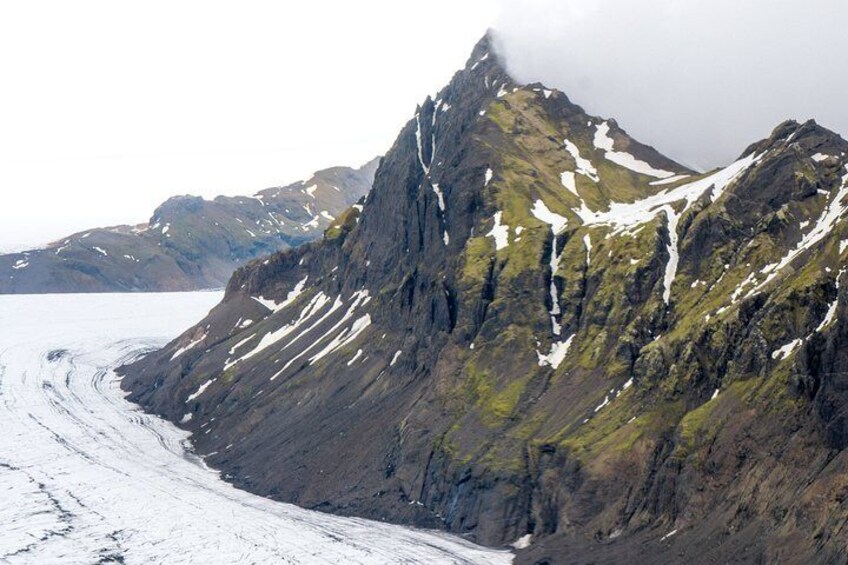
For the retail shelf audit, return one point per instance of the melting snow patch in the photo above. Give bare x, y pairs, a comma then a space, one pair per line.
440, 196
20, 264
584, 166
830, 315
186, 418
355, 357
819, 157
345, 337
557, 353
310, 190
290, 297
669, 180
624, 216
500, 232
101, 251
786, 350
824, 225
358, 298
587, 241
569, 181
604, 142
236, 347
603, 404
424, 167
200, 390
488, 177
668, 535
396, 357
185, 348
523, 542
543, 213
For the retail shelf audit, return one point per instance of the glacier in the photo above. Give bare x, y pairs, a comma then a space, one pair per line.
88, 477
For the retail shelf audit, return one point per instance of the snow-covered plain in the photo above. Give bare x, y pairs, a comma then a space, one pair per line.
87, 477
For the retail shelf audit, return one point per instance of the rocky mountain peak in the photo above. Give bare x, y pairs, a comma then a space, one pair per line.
807, 138
536, 327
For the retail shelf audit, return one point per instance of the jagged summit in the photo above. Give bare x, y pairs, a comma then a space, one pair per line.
538, 330
807, 138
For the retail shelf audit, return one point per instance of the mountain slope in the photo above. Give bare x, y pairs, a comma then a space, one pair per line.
189, 243
538, 329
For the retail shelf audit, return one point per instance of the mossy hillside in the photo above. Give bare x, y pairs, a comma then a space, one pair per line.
616, 429
613, 301
342, 225
538, 136
496, 373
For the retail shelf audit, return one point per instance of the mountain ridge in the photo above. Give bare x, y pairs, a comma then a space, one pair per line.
189, 243
538, 331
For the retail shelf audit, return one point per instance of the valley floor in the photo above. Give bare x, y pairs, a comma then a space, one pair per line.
87, 477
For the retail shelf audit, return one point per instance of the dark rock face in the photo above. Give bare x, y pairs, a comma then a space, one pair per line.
537, 328
189, 243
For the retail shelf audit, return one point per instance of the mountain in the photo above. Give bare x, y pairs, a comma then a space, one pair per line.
189, 243
538, 331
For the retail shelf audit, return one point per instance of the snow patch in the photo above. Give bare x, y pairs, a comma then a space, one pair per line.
624, 216
605, 143
543, 213
200, 390
440, 196
395, 358
569, 181
355, 357
188, 346
557, 353
500, 232
669, 180
275, 307
824, 225
584, 166
786, 350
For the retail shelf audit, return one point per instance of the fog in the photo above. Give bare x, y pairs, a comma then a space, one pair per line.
698, 80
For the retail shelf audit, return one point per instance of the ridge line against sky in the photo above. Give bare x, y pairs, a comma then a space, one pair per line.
112, 107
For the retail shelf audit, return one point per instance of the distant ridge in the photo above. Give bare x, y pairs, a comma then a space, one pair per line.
189, 243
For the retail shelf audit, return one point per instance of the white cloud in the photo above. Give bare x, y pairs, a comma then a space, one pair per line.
699, 80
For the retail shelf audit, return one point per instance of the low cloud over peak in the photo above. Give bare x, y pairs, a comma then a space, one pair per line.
698, 80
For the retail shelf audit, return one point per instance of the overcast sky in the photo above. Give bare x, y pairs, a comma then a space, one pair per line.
107, 108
